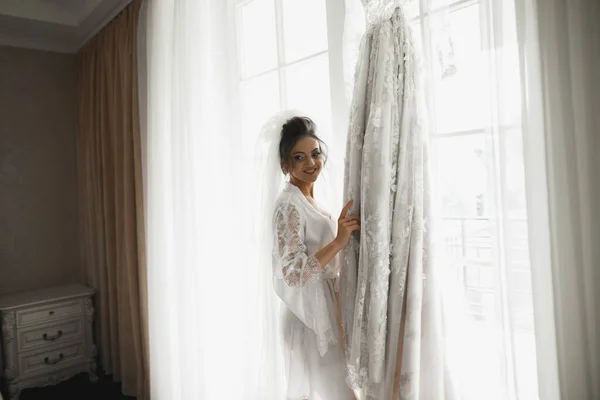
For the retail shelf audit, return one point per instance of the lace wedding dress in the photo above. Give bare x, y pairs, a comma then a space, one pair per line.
390, 306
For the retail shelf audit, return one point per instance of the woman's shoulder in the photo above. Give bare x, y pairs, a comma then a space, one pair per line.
289, 200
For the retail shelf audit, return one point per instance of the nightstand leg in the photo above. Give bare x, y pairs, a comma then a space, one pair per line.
92, 375
14, 392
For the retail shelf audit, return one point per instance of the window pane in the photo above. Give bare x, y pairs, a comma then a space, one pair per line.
416, 35
307, 88
304, 28
512, 168
257, 37
459, 71
468, 253
411, 9
526, 365
260, 100
509, 85
462, 175
434, 5
506, 54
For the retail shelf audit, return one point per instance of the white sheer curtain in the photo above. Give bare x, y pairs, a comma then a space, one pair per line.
214, 71
206, 337
560, 54
204, 329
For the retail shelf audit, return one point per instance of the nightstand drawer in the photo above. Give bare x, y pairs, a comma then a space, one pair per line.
46, 336
42, 362
48, 313
50, 334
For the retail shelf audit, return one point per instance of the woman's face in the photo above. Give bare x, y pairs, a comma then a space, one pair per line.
306, 160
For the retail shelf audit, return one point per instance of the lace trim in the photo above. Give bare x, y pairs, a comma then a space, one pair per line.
356, 377
297, 267
325, 340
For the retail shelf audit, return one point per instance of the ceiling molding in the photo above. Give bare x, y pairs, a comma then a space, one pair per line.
61, 38
101, 19
61, 12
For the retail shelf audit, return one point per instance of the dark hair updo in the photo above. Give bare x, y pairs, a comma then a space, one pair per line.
293, 130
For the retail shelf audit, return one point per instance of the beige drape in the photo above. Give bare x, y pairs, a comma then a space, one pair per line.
110, 181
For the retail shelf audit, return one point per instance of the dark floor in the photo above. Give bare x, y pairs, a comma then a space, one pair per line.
78, 388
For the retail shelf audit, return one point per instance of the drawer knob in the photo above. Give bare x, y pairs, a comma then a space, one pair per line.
51, 338
48, 361
50, 312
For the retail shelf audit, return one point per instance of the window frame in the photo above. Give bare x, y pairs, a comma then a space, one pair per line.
498, 233
335, 12
499, 238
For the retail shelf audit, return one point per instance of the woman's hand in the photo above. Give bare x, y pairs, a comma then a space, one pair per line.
346, 225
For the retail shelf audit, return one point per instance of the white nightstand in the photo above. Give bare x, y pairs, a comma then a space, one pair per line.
47, 337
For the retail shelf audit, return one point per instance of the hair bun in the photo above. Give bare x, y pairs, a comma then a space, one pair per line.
298, 126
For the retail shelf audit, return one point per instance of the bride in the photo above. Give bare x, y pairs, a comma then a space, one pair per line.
306, 243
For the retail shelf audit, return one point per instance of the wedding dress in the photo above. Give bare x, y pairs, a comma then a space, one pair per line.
391, 310
314, 360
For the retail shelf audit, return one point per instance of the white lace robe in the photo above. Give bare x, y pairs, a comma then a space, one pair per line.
386, 299
314, 361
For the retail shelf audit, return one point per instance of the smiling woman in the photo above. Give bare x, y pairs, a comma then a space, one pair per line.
305, 245
301, 151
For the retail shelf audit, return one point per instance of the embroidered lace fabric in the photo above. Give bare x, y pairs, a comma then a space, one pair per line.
298, 267
387, 177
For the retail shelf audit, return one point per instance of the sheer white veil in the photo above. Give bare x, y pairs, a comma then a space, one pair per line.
269, 165
265, 339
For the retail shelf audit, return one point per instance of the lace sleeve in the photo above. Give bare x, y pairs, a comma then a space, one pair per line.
297, 266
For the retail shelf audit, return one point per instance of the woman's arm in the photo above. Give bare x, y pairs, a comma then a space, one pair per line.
294, 262
346, 225
297, 266
328, 253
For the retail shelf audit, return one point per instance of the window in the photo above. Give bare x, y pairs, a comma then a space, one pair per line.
473, 93
285, 61
473, 97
